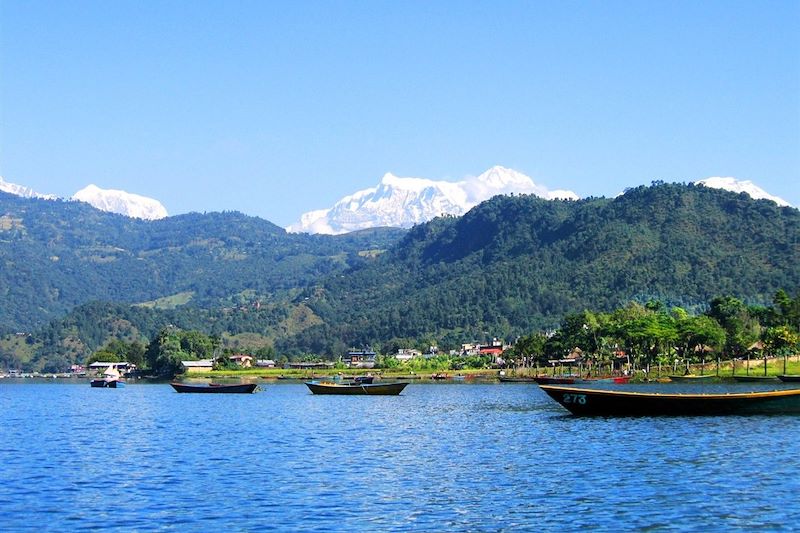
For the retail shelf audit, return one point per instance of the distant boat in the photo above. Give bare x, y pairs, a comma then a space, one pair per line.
110, 380
384, 389
514, 379
789, 377
554, 380
610, 379
691, 377
107, 383
594, 402
216, 388
755, 379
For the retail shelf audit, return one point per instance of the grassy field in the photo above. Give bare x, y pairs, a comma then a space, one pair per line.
284, 373
775, 367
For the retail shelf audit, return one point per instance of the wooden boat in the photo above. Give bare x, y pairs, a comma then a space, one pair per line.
595, 402
216, 388
554, 380
107, 383
691, 377
110, 380
384, 389
754, 379
789, 378
514, 379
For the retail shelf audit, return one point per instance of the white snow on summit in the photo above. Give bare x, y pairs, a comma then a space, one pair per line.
121, 202
25, 192
739, 186
403, 202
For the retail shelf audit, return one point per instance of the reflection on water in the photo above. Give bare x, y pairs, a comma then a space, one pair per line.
481, 457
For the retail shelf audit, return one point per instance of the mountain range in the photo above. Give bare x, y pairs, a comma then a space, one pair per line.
75, 278
399, 202
404, 202
109, 200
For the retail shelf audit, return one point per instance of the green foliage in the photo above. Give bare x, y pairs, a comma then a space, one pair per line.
102, 355
172, 345
518, 264
511, 266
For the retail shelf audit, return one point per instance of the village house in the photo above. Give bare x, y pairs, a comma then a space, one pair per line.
364, 358
203, 365
407, 354
242, 360
265, 363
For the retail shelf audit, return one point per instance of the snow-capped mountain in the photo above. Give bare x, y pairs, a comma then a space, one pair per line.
25, 192
403, 202
739, 186
121, 202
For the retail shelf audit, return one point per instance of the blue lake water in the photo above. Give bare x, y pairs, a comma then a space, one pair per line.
454, 457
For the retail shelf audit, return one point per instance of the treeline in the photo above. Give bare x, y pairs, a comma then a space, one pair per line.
644, 335
515, 264
74, 277
655, 334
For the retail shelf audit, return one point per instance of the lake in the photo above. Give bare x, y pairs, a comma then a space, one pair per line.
455, 457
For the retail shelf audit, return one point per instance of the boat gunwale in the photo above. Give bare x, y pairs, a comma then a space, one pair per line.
777, 393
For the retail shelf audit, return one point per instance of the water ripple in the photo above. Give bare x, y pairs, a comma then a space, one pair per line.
439, 457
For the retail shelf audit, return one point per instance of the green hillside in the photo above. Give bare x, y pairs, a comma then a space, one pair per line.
57, 255
512, 265
518, 263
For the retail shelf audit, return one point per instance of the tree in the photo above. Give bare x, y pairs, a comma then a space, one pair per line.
530, 349
740, 328
104, 356
696, 335
779, 339
172, 345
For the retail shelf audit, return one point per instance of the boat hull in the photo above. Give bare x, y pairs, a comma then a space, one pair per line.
107, 384
553, 380
689, 378
754, 379
243, 388
589, 402
381, 389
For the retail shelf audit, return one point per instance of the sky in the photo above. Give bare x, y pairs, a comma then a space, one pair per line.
276, 108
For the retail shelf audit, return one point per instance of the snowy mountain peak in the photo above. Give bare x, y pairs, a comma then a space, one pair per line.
742, 186
500, 177
121, 202
25, 192
403, 202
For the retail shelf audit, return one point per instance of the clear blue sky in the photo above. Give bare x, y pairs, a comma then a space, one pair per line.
277, 108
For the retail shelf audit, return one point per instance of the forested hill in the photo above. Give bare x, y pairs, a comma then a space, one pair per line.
516, 264
59, 254
510, 266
